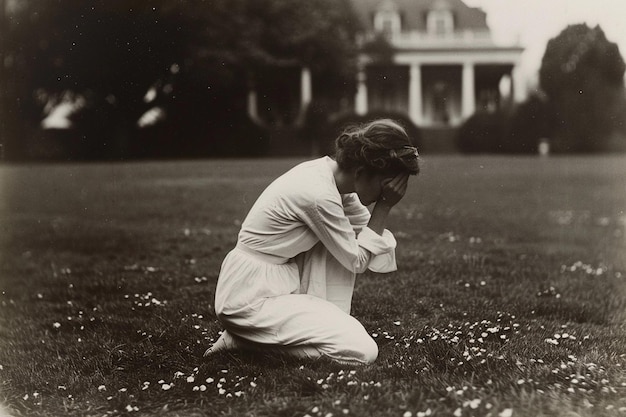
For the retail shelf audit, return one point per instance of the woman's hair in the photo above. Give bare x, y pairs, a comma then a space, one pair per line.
380, 146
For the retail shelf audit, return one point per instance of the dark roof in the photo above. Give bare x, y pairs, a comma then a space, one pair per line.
414, 12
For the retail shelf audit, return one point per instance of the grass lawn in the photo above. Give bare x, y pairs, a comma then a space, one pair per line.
510, 298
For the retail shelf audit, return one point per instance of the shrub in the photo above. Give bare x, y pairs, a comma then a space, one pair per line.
531, 121
482, 133
234, 136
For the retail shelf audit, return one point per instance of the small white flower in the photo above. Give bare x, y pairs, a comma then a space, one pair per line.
507, 412
190, 379
56, 325
203, 388
166, 387
102, 388
209, 380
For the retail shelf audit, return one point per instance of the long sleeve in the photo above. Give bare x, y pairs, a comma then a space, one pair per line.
359, 216
326, 218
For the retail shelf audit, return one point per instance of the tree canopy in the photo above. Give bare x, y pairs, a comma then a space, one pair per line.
582, 74
198, 55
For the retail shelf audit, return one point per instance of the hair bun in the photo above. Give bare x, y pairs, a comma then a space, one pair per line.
382, 145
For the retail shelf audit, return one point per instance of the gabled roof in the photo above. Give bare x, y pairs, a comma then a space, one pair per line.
414, 12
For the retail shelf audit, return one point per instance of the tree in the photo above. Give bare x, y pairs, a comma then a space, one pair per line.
108, 52
200, 55
582, 76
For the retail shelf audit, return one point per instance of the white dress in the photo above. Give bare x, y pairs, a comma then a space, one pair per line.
288, 283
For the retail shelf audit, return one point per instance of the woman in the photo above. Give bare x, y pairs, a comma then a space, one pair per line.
287, 285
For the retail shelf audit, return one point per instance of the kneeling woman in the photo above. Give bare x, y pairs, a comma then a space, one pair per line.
288, 283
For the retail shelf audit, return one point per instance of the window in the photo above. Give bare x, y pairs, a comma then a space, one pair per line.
440, 22
387, 18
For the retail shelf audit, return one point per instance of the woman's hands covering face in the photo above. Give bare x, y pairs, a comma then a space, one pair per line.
393, 189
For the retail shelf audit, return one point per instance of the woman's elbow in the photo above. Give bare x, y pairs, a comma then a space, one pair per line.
361, 265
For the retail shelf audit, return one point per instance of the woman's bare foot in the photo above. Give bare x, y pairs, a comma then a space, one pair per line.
225, 342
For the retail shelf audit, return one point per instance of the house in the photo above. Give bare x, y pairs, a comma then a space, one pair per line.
443, 64
432, 60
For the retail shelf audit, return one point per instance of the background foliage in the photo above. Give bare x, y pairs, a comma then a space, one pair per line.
192, 63
199, 57
582, 74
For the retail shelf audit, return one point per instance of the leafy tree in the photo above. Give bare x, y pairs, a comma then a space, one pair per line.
199, 56
109, 52
582, 75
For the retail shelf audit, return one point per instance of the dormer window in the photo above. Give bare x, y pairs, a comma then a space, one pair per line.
440, 20
387, 19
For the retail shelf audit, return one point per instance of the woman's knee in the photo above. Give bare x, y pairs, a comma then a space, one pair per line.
368, 350
356, 348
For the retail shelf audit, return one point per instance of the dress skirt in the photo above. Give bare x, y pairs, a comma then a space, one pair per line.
258, 300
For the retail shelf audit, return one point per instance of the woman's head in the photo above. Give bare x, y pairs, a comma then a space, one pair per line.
379, 147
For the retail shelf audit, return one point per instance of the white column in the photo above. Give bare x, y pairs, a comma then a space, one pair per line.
306, 93
360, 100
468, 100
518, 85
252, 105
415, 94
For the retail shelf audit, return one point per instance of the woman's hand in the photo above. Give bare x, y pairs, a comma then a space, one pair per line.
393, 189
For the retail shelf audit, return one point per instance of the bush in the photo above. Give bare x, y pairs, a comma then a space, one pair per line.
233, 136
483, 133
240, 136
531, 121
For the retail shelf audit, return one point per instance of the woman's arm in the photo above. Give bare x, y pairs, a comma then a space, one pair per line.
392, 192
328, 221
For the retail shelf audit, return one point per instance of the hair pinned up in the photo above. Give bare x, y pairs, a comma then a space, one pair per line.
381, 146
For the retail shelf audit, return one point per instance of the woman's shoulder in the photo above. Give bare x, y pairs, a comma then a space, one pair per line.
312, 181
